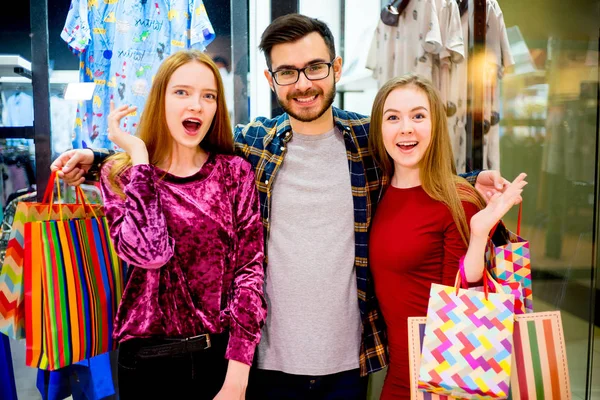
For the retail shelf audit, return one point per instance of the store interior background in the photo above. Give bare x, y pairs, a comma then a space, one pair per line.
549, 129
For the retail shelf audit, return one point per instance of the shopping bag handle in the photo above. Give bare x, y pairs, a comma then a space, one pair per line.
489, 284
80, 196
519, 217
49, 188
49, 193
55, 181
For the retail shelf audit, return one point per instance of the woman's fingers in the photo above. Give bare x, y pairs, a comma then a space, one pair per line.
116, 114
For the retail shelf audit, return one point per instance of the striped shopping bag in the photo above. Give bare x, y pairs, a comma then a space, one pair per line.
12, 306
73, 281
539, 365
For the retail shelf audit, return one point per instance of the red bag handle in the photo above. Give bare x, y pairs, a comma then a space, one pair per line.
519, 218
49, 188
80, 197
461, 279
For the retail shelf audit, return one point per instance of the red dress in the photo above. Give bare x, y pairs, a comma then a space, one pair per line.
414, 242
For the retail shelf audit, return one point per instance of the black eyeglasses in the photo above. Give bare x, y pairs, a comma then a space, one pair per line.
313, 72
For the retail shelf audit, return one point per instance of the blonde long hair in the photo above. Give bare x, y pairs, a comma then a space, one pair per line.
437, 171
153, 128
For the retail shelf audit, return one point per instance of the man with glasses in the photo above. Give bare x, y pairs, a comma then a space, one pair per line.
318, 188
323, 325
324, 332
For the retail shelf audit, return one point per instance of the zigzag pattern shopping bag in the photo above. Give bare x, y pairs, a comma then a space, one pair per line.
468, 343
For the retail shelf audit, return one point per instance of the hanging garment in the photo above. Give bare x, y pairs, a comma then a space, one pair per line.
408, 47
2, 107
18, 110
62, 117
18, 176
121, 45
452, 46
498, 58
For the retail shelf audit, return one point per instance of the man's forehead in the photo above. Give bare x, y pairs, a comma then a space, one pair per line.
306, 50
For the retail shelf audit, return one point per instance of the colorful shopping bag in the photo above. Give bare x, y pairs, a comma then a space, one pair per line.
509, 260
73, 281
468, 342
12, 322
509, 287
539, 366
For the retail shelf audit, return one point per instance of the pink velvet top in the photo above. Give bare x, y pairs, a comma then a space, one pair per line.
195, 246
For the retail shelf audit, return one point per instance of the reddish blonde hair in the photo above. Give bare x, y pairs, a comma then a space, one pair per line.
153, 128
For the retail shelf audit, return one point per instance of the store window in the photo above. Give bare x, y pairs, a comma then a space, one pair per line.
549, 129
541, 118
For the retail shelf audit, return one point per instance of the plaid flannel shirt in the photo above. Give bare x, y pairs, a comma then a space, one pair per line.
263, 144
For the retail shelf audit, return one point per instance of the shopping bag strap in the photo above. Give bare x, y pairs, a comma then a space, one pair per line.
519, 218
80, 197
80, 194
489, 284
49, 188
55, 181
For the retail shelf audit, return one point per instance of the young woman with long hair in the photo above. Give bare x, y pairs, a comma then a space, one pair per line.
183, 213
428, 218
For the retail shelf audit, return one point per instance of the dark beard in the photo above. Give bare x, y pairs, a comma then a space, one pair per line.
328, 101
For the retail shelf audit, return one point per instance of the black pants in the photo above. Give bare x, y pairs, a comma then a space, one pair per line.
276, 385
197, 375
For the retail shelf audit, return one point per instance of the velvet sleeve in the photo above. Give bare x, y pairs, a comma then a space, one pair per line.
454, 246
137, 224
246, 306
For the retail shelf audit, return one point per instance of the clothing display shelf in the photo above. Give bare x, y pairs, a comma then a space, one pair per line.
15, 71
14, 66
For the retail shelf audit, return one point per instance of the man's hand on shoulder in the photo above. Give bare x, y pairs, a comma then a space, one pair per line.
489, 183
72, 165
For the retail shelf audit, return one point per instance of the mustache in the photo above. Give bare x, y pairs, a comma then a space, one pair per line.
310, 92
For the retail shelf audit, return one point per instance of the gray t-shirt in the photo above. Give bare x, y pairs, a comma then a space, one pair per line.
313, 324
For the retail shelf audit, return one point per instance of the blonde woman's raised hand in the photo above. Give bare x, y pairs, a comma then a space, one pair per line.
498, 205
131, 144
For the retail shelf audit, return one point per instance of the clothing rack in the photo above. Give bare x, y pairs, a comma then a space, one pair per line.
21, 156
40, 132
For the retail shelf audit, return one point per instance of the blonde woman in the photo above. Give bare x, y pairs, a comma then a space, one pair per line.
428, 218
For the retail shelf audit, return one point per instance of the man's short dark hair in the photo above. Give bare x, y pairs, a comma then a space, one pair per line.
290, 28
